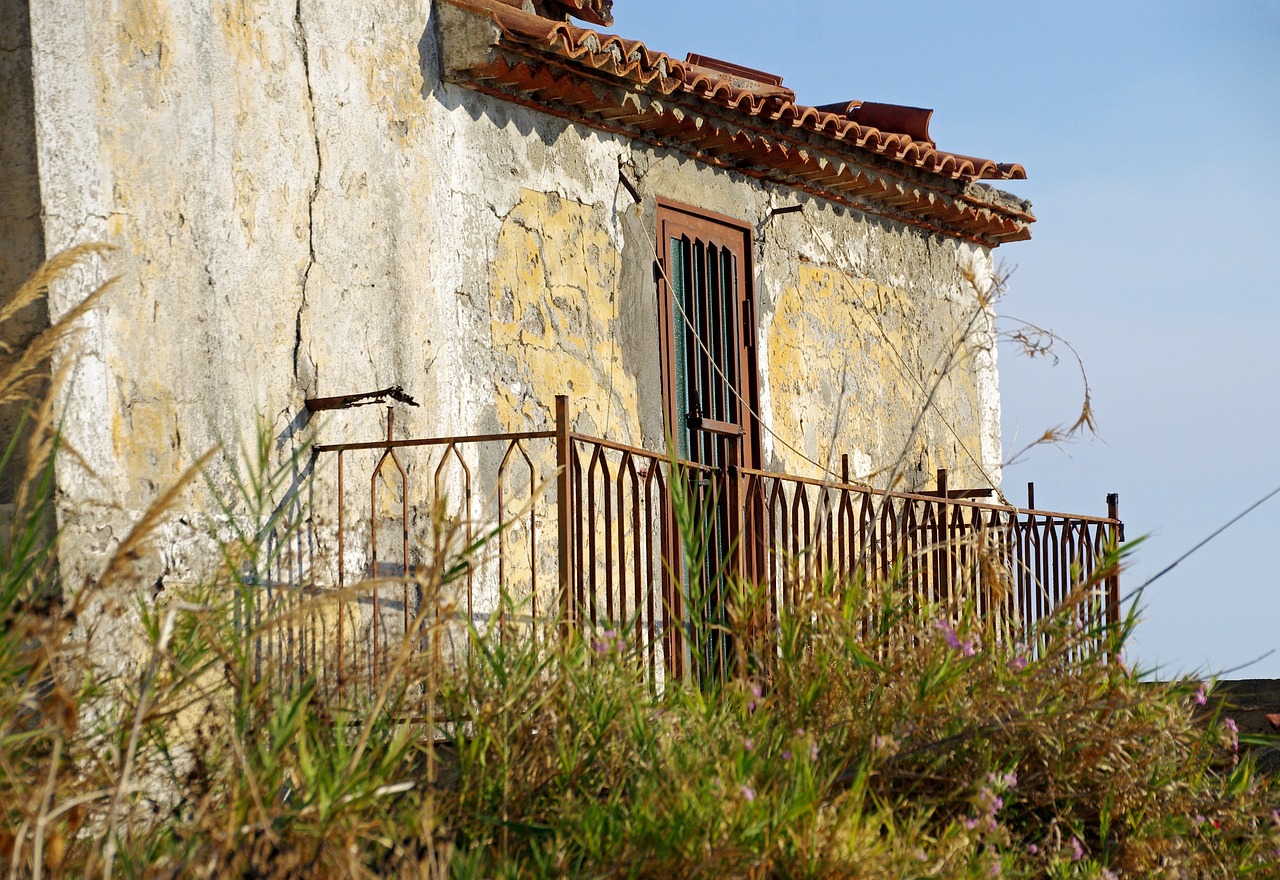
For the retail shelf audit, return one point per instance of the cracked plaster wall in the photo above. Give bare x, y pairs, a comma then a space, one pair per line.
302, 208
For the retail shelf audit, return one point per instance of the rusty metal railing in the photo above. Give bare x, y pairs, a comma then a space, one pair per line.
572, 531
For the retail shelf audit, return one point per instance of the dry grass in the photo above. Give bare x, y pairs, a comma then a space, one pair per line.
875, 738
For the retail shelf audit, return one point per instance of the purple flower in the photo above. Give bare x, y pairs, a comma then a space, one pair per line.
1018, 662
967, 648
786, 754
1202, 695
1197, 819
970, 822
1233, 733
748, 744
609, 641
1033, 849
1011, 779
948, 634
921, 856
747, 794
756, 691
1077, 850
813, 752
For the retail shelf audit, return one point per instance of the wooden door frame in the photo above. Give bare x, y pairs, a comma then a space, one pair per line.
675, 220
677, 216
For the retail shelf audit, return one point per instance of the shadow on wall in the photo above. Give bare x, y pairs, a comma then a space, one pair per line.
21, 230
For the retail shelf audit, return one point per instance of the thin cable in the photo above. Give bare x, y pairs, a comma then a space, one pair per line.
905, 369
653, 240
1216, 532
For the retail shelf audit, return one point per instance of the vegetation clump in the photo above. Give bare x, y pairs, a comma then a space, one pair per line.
866, 735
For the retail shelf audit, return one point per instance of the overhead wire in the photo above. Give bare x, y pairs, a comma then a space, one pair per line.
1215, 533
905, 369
732, 386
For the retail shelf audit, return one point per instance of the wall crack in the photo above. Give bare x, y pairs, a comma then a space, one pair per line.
315, 185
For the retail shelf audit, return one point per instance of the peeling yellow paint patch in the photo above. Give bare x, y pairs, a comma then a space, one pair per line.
553, 288
144, 27
849, 364
238, 21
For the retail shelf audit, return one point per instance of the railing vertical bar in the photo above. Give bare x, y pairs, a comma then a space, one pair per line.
342, 571
1115, 535
564, 535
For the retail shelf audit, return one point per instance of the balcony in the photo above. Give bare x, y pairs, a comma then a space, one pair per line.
554, 530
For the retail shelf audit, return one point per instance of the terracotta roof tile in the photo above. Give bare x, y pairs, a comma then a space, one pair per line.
743, 118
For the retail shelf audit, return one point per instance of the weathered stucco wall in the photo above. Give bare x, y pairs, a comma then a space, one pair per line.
303, 208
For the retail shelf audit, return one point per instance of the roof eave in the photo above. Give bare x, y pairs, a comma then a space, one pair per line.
621, 87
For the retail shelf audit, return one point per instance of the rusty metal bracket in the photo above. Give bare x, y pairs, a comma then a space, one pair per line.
629, 186
712, 426
346, 401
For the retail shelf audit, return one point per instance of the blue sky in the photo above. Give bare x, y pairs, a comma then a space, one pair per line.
1151, 136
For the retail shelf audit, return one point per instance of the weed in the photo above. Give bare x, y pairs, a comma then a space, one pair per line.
863, 733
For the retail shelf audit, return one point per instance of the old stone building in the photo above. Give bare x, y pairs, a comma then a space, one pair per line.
488, 203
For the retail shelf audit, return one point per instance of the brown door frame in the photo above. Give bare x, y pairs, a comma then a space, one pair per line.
675, 218
735, 441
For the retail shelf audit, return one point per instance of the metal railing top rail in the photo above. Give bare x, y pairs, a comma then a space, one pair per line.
838, 485
925, 497
435, 441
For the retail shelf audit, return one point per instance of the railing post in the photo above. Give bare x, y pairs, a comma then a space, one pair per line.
734, 584
1113, 576
943, 586
564, 525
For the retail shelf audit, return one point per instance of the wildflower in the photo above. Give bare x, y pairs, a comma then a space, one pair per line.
1233, 734
786, 754
1202, 695
948, 634
1077, 849
1011, 779
967, 648
1108, 874
609, 641
1197, 819
970, 823
1018, 662
1032, 849
747, 794
922, 856
813, 751
883, 743
1275, 817
748, 744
